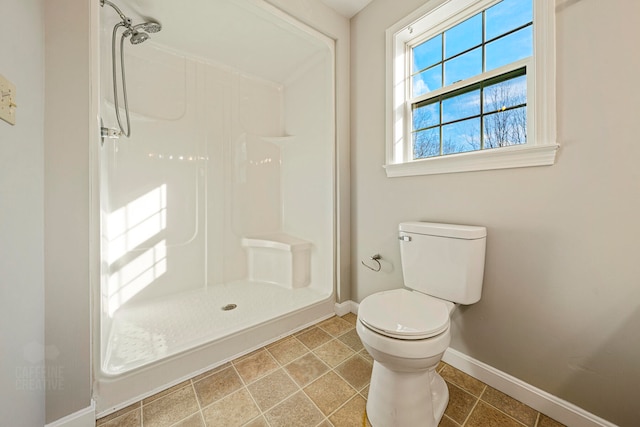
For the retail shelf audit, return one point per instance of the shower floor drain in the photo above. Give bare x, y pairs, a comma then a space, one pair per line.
229, 307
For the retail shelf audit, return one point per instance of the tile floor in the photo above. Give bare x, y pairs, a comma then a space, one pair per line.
316, 377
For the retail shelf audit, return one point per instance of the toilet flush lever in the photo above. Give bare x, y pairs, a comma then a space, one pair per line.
404, 238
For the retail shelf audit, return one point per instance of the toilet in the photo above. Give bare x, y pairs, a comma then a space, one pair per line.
406, 331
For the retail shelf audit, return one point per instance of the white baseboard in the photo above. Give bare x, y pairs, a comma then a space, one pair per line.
342, 308
548, 404
83, 418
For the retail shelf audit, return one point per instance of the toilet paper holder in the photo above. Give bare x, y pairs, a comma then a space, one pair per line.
376, 258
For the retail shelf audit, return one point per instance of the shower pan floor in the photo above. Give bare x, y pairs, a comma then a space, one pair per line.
144, 332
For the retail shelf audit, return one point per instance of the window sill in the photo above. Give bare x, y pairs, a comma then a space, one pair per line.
498, 158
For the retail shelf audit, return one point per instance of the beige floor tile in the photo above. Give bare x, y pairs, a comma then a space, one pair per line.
211, 371
272, 389
233, 411
256, 366
128, 419
460, 404
165, 392
306, 369
217, 386
462, 380
118, 413
329, 392
351, 318
485, 415
366, 356
335, 326
545, 421
314, 337
333, 353
298, 410
287, 350
258, 422
447, 422
171, 408
244, 356
365, 392
510, 406
357, 372
352, 414
194, 420
352, 340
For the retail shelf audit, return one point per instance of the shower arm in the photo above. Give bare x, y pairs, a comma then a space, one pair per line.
125, 19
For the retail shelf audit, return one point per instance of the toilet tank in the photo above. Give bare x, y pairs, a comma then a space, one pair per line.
443, 260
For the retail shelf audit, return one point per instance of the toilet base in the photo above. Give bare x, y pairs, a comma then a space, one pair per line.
406, 399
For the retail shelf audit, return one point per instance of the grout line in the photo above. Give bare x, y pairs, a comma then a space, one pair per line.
451, 419
343, 405
293, 360
486, 387
504, 413
475, 405
257, 406
537, 420
244, 383
198, 403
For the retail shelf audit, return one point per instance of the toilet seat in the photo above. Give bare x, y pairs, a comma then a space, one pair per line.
404, 314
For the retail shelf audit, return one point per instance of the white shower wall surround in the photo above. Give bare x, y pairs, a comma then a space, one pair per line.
216, 155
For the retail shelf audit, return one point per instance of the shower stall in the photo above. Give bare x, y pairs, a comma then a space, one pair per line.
217, 211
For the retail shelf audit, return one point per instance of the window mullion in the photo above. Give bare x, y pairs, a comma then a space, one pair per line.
440, 127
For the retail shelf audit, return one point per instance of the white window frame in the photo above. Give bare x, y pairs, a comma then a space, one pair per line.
433, 18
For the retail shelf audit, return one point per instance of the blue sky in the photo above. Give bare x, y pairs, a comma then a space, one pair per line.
499, 19
435, 64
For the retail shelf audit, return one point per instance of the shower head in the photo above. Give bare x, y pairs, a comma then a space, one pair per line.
138, 37
149, 27
137, 32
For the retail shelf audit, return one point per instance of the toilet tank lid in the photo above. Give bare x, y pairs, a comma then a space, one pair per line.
455, 231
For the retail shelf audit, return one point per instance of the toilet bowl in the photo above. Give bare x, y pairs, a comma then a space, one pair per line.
406, 348
406, 331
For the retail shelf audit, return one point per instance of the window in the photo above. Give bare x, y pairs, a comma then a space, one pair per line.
471, 87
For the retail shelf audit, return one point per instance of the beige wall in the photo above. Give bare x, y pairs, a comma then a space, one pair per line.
562, 283
21, 218
66, 203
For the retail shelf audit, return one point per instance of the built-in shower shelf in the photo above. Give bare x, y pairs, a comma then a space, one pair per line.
278, 139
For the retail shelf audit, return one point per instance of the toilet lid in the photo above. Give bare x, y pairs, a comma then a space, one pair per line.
404, 314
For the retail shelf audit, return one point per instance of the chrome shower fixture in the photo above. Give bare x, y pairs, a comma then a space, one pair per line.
149, 27
138, 33
137, 37
125, 19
